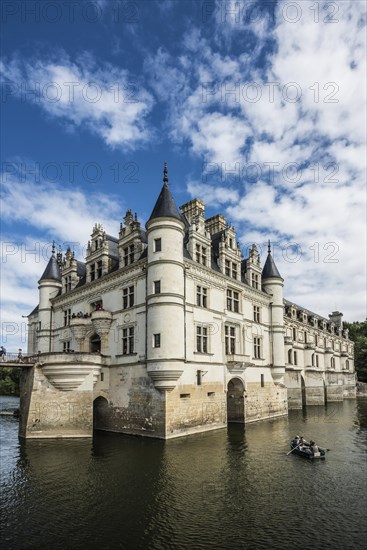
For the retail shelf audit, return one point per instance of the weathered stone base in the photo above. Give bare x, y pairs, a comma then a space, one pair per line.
46, 412
195, 408
265, 402
349, 392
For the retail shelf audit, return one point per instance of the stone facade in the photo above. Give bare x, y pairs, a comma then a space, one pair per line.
168, 330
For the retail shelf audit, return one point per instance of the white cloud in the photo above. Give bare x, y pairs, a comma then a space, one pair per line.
108, 101
323, 66
68, 218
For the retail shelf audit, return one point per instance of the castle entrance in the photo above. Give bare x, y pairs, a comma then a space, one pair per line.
100, 413
236, 401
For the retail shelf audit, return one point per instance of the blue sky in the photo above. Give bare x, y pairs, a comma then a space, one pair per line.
258, 108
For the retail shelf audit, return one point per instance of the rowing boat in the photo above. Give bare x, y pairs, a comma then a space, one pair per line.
306, 452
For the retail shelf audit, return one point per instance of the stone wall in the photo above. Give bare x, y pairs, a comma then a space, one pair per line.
133, 405
195, 408
48, 412
264, 402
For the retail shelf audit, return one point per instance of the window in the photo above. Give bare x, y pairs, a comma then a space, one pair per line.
230, 269
66, 346
157, 287
230, 340
317, 360
128, 340
232, 300
157, 245
294, 334
102, 376
201, 339
347, 364
67, 317
290, 359
129, 252
316, 340
200, 254
295, 358
128, 297
67, 283
156, 340
198, 377
313, 359
99, 269
262, 382
305, 337
332, 363
230, 243
257, 314
92, 272
255, 280
201, 296
227, 268
257, 347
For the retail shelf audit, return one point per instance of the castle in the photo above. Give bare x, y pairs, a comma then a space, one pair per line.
168, 330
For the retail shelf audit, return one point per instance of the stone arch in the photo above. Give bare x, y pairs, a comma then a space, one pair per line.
236, 401
100, 413
95, 343
303, 392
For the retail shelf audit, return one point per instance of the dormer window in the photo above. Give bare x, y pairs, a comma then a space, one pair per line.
255, 280
129, 252
201, 254
67, 283
92, 272
99, 269
230, 243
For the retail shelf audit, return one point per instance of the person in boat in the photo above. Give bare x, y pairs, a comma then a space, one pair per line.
313, 447
296, 441
303, 443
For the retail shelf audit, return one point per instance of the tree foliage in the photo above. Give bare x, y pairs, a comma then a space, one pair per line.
358, 333
9, 380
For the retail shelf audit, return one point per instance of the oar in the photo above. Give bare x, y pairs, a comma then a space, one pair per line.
293, 449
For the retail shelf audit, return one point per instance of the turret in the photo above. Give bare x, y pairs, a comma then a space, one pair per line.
272, 284
165, 291
49, 287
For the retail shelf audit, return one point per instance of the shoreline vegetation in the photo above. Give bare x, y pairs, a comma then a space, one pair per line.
9, 376
9, 381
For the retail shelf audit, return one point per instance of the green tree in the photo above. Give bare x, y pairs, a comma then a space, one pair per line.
358, 333
9, 380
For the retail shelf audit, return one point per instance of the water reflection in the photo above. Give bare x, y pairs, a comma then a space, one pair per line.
225, 488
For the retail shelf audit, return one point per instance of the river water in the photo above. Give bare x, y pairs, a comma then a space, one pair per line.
225, 489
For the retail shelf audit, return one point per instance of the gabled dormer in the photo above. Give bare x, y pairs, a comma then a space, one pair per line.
69, 272
253, 268
227, 252
199, 239
102, 254
132, 240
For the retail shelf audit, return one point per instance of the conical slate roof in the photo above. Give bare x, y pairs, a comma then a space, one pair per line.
52, 270
270, 269
165, 206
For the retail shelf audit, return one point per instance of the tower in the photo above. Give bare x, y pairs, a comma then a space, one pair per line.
272, 283
165, 338
49, 287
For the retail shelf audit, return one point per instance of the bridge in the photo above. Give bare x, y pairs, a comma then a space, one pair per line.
13, 360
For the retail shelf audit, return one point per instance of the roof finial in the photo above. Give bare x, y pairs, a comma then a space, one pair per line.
53, 248
165, 174
269, 247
